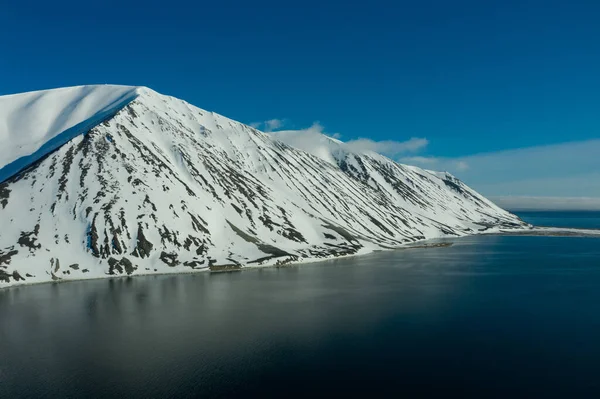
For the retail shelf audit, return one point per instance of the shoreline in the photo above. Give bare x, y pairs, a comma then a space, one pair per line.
539, 231
536, 231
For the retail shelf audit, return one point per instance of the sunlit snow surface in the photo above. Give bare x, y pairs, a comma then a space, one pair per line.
36, 123
162, 186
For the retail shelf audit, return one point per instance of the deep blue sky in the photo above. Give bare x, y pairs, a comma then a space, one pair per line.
470, 76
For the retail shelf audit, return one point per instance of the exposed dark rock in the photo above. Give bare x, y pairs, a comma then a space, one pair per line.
237, 209
129, 267
116, 243
29, 239
5, 257
380, 225
197, 225
136, 182
62, 181
143, 246
54, 267
121, 266
201, 250
168, 236
193, 264
267, 221
131, 112
105, 247
114, 266
169, 258
93, 238
293, 234
4, 194
5, 277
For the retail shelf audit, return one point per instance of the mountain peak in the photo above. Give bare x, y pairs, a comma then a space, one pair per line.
113, 180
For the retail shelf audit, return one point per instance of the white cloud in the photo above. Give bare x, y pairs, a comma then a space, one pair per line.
273, 124
317, 142
269, 125
390, 148
305, 138
462, 165
527, 176
316, 129
560, 170
312, 140
442, 164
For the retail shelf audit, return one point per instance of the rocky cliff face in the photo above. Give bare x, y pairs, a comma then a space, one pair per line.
158, 185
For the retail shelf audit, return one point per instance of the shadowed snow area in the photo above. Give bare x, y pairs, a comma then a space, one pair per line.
36, 123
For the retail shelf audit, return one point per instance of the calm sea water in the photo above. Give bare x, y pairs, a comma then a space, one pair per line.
488, 317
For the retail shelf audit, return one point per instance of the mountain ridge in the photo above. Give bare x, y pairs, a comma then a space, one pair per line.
160, 186
52, 118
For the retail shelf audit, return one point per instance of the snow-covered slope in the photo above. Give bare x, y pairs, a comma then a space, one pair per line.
152, 184
36, 123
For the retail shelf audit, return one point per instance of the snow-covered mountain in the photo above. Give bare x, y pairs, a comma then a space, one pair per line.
102, 181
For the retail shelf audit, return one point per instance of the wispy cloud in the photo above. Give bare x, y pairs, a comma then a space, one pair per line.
560, 176
309, 137
390, 148
523, 203
312, 139
443, 164
462, 165
560, 170
273, 124
316, 141
269, 125
314, 132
